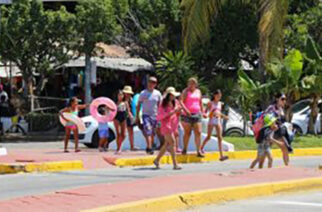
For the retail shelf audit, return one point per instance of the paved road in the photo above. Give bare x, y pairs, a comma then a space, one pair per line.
32, 184
298, 202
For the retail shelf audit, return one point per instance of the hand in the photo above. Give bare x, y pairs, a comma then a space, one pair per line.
137, 120
204, 115
188, 113
225, 117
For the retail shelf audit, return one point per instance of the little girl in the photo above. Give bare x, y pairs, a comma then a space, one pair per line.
103, 130
168, 115
73, 107
123, 110
215, 116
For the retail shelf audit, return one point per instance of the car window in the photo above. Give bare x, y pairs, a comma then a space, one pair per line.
307, 111
297, 107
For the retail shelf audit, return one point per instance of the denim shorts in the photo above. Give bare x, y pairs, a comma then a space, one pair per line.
263, 148
103, 133
193, 119
149, 125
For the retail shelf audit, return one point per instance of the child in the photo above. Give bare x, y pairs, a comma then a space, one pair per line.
73, 107
264, 142
103, 130
123, 110
215, 116
168, 115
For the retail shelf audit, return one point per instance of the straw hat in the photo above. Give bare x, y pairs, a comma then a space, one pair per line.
172, 90
127, 89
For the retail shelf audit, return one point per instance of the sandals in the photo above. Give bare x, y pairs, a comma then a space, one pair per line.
157, 165
224, 158
66, 151
199, 155
177, 168
77, 150
184, 152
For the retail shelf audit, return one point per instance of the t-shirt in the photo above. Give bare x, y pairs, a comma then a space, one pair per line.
150, 102
102, 126
266, 134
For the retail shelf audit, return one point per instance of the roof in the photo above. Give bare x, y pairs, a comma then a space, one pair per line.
124, 64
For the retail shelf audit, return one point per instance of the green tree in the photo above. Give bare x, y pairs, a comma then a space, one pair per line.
198, 16
151, 28
37, 41
95, 22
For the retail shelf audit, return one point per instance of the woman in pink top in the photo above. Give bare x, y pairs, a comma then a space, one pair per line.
168, 115
191, 120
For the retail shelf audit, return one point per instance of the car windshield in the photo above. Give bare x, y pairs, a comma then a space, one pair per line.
297, 107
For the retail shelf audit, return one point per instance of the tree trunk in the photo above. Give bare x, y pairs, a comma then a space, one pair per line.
314, 114
88, 93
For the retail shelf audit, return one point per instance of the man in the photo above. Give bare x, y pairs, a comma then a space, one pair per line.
3, 93
150, 100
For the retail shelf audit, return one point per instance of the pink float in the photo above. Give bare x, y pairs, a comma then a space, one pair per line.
103, 101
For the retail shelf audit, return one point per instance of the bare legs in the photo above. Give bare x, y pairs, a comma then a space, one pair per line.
168, 145
131, 137
120, 134
187, 133
67, 136
281, 144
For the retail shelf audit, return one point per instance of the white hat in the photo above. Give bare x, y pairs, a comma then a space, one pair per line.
127, 89
172, 90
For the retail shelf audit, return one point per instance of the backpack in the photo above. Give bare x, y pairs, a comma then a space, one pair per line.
258, 125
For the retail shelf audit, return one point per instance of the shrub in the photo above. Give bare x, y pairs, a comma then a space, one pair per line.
42, 121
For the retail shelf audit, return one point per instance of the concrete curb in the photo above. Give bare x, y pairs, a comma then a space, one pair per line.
212, 196
56, 166
191, 158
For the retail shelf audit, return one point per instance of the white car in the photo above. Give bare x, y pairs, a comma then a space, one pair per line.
90, 138
301, 115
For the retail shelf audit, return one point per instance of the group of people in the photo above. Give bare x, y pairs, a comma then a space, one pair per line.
161, 114
164, 114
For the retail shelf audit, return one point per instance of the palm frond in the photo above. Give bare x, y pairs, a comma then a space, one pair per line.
197, 19
270, 27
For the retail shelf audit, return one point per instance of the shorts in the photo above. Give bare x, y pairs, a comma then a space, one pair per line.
214, 121
103, 133
193, 119
121, 116
71, 127
149, 125
130, 122
263, 148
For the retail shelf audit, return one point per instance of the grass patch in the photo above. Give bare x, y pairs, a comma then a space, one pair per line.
248, 143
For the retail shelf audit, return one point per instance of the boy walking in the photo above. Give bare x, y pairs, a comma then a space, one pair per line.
264, 142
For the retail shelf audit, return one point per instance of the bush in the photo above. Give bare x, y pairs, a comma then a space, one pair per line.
42, 121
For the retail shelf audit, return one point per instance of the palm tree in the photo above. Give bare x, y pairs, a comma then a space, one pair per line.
198, 15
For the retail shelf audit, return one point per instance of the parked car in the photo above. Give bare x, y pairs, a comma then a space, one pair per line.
90, 138
301, 116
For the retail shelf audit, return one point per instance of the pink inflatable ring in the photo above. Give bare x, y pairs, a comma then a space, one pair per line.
103, 101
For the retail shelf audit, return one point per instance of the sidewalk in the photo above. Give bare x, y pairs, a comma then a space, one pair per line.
91, 197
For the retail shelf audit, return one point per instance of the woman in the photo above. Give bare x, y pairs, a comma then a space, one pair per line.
123, 110
168, 115
277, 108
215, 117
191, 103
73, 108
130, 122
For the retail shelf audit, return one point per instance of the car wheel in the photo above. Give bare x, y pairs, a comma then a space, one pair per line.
95, 139
298, 130
234, 132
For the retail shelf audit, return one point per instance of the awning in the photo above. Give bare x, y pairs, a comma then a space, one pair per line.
123, 64
5, 71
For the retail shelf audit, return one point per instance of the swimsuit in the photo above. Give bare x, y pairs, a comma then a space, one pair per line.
121, 112
72, 125
215, 107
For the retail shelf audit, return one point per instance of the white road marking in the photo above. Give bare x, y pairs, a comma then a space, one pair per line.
296, 203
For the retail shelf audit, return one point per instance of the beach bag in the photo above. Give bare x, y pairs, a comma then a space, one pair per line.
259, 124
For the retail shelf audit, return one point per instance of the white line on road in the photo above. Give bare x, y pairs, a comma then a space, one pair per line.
296, 203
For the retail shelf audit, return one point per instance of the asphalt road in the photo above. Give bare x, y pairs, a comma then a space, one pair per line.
19, 185
295, 202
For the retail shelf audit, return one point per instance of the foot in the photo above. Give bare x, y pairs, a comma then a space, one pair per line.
100, 149
157, 165
202, 151
184, 152
105, 149
177, 167
199, 155
117, 152
77, 150
66, 151
224, 158
134, 149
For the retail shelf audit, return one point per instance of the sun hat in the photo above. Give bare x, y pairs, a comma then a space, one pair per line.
153, 79
269, 119
127, 89
172, 90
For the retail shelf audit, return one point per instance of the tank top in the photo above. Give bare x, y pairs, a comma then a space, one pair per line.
69, 123
215, 107
192, 101
121, 107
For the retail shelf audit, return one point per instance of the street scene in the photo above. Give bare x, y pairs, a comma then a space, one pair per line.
164, 105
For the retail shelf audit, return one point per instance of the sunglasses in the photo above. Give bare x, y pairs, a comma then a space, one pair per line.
283, 99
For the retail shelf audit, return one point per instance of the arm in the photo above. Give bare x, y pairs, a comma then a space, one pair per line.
138, 107
129, 110
66, 109
82, 107
201, 105
182, 99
